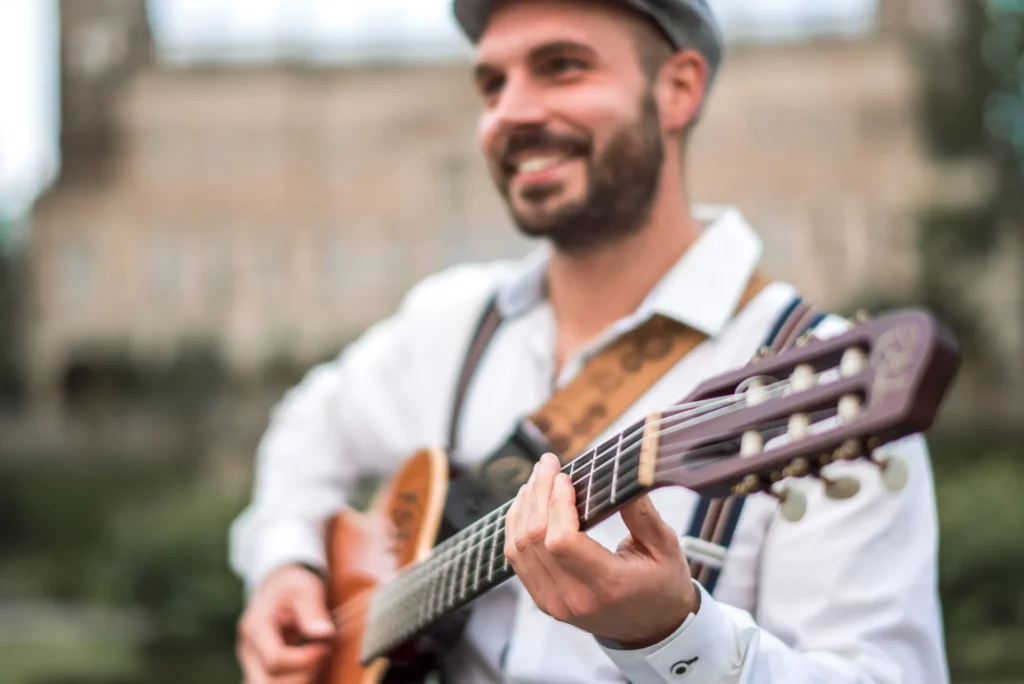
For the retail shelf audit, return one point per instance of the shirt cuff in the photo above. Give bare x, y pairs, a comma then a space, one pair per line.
705, 650
288, 542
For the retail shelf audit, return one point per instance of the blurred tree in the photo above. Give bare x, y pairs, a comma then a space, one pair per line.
10, 367
974, 107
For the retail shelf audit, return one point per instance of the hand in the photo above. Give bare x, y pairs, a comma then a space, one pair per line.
284, 632
637, 596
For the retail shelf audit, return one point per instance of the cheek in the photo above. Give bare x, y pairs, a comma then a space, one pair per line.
487, 137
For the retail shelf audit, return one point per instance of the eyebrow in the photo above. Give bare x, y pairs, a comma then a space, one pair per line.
483, 69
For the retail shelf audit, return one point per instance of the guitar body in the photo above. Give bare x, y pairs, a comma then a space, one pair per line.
366, 549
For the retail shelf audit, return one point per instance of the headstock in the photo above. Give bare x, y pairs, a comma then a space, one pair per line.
829, 400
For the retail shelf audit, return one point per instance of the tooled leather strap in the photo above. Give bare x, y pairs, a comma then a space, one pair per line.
612, 381
615, 378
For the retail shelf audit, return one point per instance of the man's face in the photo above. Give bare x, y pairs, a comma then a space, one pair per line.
570, 128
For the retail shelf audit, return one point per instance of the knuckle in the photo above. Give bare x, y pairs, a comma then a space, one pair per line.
521, 544
558, 544
535, 535
581, 604
559, 611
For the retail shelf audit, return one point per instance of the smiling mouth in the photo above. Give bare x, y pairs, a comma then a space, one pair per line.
537, 164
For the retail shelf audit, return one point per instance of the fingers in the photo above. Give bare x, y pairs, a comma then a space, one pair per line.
534, 515
284, 631
252, 668
278, 658
525, 529
574, 551
253, 672
311, 618
646, 527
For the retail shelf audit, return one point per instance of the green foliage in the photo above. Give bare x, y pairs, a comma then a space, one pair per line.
134, 537
111, 378
11, 377
978, 483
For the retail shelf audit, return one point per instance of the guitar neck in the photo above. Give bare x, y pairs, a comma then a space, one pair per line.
472, 562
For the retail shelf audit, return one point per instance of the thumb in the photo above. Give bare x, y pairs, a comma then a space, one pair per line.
311, 616
645, 525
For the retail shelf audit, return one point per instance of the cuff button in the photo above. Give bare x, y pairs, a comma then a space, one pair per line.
683, 666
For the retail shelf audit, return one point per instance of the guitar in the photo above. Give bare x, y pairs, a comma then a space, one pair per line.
761, 428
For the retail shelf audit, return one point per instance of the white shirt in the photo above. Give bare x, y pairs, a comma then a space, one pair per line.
845, 596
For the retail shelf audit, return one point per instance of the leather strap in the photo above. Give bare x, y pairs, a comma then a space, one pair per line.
485, 329
610, 383
617, 377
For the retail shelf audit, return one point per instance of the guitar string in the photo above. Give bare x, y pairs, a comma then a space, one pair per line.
664, 418
602, 459
458, 545
446, 603
429, 613
466, 544
475, 539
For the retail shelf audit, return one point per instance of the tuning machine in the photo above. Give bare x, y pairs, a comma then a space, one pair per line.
792, 500
836, 488
895, 471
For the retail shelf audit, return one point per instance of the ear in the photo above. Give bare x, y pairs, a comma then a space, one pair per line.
680, 88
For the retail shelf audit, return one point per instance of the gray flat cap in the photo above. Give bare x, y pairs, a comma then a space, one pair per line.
687, 24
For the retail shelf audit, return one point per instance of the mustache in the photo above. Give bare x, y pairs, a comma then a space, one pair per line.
540, 139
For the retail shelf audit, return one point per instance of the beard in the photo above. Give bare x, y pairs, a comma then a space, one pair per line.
621, 184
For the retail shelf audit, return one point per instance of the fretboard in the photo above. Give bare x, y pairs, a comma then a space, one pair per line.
472, 562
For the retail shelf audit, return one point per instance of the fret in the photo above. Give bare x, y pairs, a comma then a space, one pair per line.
590, 482
446, 569
431, 596
498, 531
481, 554
453, 578
467, 563
615, 466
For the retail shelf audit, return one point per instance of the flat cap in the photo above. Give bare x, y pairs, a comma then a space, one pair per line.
687, 24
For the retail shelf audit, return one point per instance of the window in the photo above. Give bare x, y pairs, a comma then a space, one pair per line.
76, 269
164, 266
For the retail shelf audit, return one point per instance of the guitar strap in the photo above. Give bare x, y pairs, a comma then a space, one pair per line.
608, 385
611, 382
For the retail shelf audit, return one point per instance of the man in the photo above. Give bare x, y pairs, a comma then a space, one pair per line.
586, 111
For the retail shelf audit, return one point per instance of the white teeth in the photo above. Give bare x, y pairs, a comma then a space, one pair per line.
538, 164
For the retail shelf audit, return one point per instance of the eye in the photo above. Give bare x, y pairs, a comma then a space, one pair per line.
490, 85
564, 65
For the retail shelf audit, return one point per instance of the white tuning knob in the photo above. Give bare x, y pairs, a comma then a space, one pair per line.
841, 488
895, 471
793, 502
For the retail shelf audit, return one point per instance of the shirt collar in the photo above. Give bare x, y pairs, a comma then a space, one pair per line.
701, 290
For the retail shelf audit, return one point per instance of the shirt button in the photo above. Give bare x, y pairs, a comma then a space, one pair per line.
683, 666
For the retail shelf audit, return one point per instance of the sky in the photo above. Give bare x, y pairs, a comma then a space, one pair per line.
333, 29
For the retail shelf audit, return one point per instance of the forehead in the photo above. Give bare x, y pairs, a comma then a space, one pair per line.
518, 26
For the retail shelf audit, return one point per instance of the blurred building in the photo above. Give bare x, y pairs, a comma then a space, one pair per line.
276, 210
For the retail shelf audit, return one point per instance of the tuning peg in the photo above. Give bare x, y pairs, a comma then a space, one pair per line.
841, 488
799, 424
849, 408
793, 501
852, 362
803, 378
895, 471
